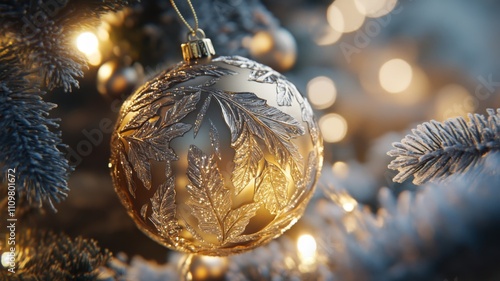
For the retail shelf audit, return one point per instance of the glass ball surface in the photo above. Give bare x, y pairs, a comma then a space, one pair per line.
216, 156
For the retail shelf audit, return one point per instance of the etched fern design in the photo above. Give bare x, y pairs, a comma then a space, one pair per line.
248, 115
272, 189
264, 74
163, 209
210, 201
248, 156
152, 139
159, 87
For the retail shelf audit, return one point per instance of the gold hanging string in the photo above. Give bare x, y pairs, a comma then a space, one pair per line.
192, 30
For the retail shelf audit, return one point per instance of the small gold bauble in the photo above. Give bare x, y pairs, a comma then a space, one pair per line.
216, 156
275, 47
115, 80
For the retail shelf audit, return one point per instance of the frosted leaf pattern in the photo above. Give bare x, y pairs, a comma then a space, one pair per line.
264, 74
272, 189
164, 210
210, 201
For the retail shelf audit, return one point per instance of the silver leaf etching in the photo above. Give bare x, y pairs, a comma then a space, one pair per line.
272, 189
210, 200
164, 210
264, 74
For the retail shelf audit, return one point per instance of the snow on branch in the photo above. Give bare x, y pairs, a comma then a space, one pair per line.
27, 144
437, 150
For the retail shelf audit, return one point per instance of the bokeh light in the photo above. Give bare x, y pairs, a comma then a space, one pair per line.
306, 245
88, 44
343, 16
340, 169
375, 8
327, 36
5, 259
333, 127
261, 43
348, 203
395, 75
321, 92
453, 100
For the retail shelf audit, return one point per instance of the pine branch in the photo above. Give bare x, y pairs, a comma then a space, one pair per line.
27, 144
49, 256
444, 230
42, 33
437, 150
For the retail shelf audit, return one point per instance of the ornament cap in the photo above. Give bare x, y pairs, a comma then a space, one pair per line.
197, 46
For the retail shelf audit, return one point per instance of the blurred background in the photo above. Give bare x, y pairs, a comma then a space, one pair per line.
371, 69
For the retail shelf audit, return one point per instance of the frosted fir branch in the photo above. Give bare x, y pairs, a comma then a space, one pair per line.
426, 236
49, 256
43, 33
27, 144
437, 150
438, 233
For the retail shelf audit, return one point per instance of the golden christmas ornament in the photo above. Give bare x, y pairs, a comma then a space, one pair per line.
217, 155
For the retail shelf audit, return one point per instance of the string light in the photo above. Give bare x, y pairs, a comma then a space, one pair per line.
333, 127
322, 92
395, 76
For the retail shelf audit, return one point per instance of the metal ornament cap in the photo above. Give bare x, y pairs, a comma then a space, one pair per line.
197, 47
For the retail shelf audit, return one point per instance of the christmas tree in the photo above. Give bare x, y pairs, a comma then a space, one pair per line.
392, 203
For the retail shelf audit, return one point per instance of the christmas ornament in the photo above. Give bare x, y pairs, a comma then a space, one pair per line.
115, 80
216, 155
275, 47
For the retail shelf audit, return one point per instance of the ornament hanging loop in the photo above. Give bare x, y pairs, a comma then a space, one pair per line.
198, 46
191, 29
198, 34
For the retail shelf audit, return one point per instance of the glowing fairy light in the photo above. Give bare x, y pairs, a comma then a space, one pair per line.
322, 92
306, 246
375, 8
333, 127
87, 43
348, 203
395, 76
343, 16
6, 259
340, 169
